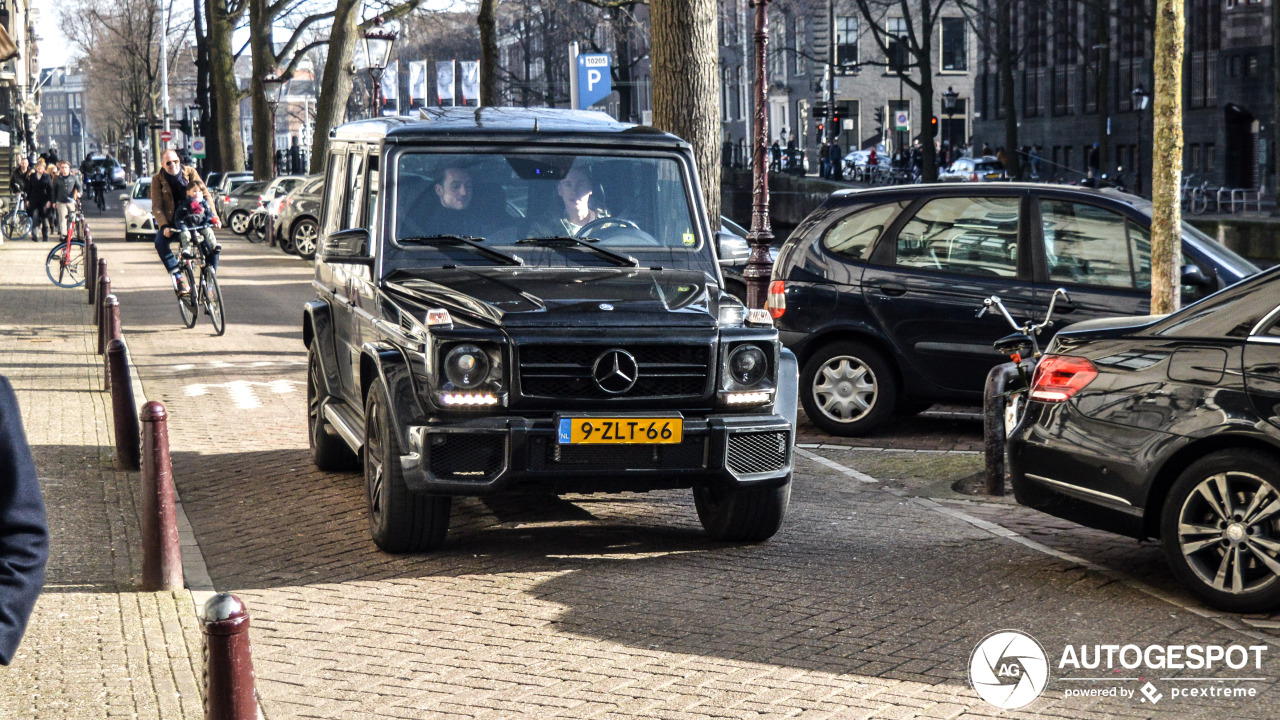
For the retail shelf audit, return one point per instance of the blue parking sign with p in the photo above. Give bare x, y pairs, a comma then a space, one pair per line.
595, 82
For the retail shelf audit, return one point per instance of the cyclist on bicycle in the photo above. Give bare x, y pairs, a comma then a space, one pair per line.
167, 187
97, 183
193, 219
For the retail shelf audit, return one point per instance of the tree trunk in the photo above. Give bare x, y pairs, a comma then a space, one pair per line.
486, 21
225, 108
1166, 156
924, 62
622, 67
262, 53
1275, 94
686, 85
202, 75
1004, 57
335, 82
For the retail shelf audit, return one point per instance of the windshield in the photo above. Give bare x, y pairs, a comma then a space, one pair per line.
142, 191
253, 188
534, 206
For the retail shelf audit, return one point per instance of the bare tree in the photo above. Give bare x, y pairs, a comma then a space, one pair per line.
1166, 160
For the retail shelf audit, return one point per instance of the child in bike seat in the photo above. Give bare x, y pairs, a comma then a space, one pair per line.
192, 217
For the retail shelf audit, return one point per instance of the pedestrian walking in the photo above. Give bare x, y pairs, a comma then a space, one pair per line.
66, 193
24, 532
1095, 165
40, 201
18, 180
986, 150
824, 160
775, 157
837, 162
1035, 162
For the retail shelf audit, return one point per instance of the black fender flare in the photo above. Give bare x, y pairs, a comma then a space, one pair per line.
386, 362
317, 327
785, 403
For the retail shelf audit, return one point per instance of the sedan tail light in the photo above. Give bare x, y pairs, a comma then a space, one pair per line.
975, 177
1058, 377
776, 303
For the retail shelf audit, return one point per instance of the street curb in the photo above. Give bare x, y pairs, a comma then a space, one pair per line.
195, 572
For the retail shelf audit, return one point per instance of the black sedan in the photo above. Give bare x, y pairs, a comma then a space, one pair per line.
1168, 427
877, 290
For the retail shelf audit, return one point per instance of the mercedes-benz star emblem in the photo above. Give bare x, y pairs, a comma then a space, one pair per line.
615, 371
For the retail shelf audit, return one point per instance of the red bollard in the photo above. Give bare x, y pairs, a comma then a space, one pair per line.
126, 422
90, 263
161, 556
228, 678
111, 331
99, 273
102, 319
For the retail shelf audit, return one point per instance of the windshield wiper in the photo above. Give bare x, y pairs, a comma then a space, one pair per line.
470, 241
569, 241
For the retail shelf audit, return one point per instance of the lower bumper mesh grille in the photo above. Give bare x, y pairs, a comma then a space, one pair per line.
467, 457
758, 452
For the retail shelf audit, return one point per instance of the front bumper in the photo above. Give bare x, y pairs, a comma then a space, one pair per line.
485, 456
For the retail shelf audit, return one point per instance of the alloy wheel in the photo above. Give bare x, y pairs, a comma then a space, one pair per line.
1228, 530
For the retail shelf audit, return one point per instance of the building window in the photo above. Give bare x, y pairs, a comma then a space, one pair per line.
802, 45
954, 56
897, 45
1251, 65
847, 42
1208, 158
1193, 164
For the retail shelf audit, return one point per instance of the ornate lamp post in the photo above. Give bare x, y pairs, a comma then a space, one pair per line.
378, 41
1140, 100
272, 86
949, 107
759, 266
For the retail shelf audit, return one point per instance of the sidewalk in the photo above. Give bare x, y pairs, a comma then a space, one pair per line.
95, 647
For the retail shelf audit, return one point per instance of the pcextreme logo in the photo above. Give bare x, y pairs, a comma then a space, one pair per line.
1009, 669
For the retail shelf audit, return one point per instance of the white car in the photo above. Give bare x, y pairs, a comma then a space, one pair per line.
138, 223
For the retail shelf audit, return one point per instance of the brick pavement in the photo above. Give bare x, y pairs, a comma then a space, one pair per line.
95, 647
867, 604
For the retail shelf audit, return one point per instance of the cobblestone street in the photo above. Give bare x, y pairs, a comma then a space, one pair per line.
868, 603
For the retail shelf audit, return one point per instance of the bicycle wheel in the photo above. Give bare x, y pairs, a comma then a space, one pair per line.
257, 230
64, 266
16, 226
1199, 203
213, 300
187, 304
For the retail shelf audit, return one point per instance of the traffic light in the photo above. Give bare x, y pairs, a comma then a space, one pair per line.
185, 126
933, 125
819, 129
835, 120
820, 110
879, 116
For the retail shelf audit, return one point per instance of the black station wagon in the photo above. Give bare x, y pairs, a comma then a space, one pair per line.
877, 291
529, 301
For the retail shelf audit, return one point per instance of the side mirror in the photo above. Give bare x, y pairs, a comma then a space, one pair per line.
124, 197
1193, 275
347, 246
731, 249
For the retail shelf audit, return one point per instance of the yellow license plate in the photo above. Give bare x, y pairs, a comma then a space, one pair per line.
620, 431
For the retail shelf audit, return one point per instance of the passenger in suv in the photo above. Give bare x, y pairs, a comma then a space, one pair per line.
454, 363
877, 291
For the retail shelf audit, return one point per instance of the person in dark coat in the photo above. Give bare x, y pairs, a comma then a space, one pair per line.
24, 533
40, 201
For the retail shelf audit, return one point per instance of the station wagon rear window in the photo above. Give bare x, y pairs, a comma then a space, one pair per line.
548, 209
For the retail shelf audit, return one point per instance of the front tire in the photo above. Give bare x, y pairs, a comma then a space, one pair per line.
400, 521
329, 452
1220, 528
742, 514
848, 389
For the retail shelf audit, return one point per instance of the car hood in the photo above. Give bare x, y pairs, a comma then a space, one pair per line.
563, 297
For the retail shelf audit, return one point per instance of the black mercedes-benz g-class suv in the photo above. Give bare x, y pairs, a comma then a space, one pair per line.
528, 301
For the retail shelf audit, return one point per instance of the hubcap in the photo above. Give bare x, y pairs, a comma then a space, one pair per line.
1228, 530
304, 240
845, 389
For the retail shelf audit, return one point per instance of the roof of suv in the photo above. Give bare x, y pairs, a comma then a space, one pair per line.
882, 194
528, 124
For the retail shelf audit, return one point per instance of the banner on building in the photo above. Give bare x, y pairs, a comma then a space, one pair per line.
391, 88
8, 50
469, 84
444, 82
417, 83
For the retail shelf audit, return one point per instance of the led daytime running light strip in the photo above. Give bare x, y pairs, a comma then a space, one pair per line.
745, 398
470, 399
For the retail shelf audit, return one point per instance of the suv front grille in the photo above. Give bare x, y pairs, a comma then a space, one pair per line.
665, 371
468, 457
757, 452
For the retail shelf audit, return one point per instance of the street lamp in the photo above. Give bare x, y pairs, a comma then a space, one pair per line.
1140, 100
378, 41
759, 265
272, 86
949, 107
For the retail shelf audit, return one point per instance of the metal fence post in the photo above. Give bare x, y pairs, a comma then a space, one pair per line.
122, 415
228, 674
91, 264
161, 556
100, 273
993, 436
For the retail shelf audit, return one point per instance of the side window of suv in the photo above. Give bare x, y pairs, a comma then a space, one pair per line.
355, 190
967, 235
1085, 244
852, 237
334, 206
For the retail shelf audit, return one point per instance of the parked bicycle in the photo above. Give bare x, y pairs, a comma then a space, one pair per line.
194, 263
65, 263
1008, 384
17, 223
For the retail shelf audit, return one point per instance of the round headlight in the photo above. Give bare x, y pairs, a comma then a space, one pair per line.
748, 365
466, 366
